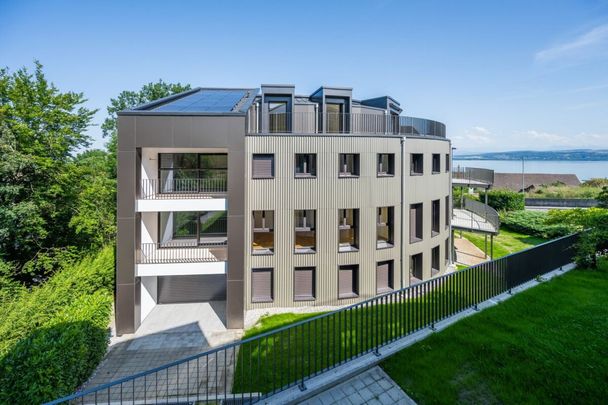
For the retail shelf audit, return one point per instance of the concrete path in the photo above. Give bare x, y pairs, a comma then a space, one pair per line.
373, 386
169, 333
467, 253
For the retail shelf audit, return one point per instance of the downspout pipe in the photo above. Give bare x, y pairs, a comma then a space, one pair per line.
402, 225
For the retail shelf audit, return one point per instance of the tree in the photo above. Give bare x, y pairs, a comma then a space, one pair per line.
129, 99
593, 225
42, 129
602, 198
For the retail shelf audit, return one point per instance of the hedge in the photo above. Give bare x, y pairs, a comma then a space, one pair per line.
53, 337
533, 223
505, 200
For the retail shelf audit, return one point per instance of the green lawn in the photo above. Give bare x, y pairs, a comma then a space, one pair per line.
545, 345
505, 243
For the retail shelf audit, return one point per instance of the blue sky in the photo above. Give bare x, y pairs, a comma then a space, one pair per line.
501, 75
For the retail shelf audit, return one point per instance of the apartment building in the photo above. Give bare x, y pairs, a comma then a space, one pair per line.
265, 198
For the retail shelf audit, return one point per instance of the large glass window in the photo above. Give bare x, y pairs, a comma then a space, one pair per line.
305, 231
263, 232
416, 164
196, 228
193, 172
416, 268
278, 116
385, 227
335, 118
416, 222
436, 163
348, 228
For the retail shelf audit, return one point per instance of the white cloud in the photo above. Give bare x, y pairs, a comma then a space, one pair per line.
538, 140
475, 134
590, 42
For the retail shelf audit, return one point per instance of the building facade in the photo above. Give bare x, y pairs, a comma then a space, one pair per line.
264, 198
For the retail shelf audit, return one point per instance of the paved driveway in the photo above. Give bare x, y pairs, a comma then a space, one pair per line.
170, 332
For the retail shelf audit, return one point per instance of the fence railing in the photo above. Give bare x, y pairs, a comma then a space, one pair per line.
254, 368
477, 174
183, 252
152, 189
342, 123
486, 212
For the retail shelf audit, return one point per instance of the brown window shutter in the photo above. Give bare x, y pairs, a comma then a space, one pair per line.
383, 277
263, 166
346, 282
304, 281
261, 285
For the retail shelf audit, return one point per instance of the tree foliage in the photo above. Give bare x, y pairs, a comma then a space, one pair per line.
593, 223
505, 200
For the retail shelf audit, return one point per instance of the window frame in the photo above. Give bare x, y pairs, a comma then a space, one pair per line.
419, 236
255, 230
390, 214
435, 217
436, 163
309, 250
356, 163
309, 175
300, 298
414, 258
355, 226
391, 277
263, 299
391, 165
355, 281
273, 168
435, 259
414, 156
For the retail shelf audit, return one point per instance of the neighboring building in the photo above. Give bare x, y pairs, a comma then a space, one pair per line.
264, 198
532, 181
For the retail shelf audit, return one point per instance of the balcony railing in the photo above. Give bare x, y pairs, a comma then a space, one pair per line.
183, 252
486, 212
343, 123
155, 189
474, 174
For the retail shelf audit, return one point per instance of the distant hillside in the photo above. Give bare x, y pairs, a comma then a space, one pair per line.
575, 154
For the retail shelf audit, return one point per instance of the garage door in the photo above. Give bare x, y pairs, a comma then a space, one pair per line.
176, 289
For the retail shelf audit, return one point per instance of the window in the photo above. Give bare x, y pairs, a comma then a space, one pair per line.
192, 228
435, 209
349, 165
415, 222
447, 162
448, 217
278, 113
416, 268
263, 166
305, 231
435, 261
447, 251
306, 165
384, 227
336, 117
436, 163
348, 228
192, 172
386, 164
348, 281
417, 164
304, 284
263, 232
384, 277
262, 285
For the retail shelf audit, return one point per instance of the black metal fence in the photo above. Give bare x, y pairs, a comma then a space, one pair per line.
259, 366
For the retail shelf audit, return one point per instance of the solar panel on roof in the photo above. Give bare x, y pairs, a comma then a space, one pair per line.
205, 100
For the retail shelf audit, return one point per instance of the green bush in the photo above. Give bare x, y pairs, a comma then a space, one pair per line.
52, 337
505, 200
534, 223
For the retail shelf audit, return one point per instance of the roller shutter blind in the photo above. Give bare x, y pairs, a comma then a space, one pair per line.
347, 282
263, 166
384, 277
304, 283
195, 288
261, 285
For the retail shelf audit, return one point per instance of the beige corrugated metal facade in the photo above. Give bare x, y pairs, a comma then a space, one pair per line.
327, 193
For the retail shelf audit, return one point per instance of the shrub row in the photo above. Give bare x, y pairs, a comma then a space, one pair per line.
53, 337
505, 200
533, 223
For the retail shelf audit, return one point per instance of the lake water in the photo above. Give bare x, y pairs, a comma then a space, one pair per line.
583, 169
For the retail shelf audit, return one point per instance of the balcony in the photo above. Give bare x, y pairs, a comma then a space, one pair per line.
183, 252
342, 123
185, 188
